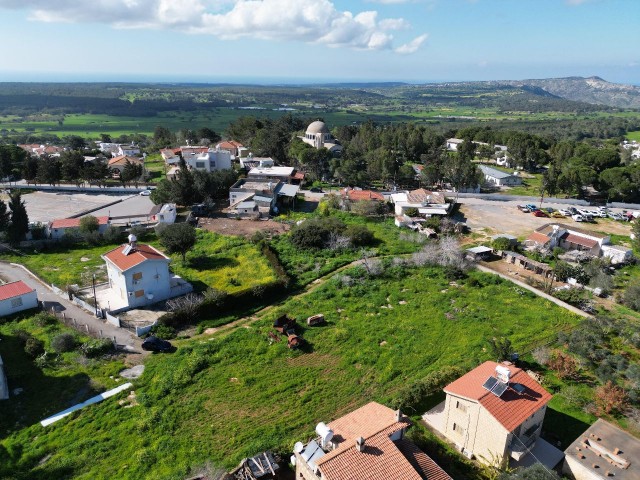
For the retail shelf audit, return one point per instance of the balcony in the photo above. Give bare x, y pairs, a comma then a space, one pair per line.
521, 446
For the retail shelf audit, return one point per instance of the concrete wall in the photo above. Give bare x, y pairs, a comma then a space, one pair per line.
572, 468
17, 304
4, 387
303, 470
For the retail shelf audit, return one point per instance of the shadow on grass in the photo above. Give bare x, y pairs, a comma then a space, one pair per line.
42, 395
211, 263
563, 428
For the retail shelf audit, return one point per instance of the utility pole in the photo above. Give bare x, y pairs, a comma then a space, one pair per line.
95, 298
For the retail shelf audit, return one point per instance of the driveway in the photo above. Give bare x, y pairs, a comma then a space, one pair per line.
12, 273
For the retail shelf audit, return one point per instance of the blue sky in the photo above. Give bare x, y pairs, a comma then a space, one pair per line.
318, 40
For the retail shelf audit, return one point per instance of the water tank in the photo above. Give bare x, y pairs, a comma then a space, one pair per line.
298, 447
132, 238
325, 433
293, 460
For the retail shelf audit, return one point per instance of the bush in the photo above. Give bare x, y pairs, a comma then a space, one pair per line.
34, 347
112, 235
360, 236
97, 347
632, 296
43, 319
501, 243
163, 331
65, 342
316, 232
411, 396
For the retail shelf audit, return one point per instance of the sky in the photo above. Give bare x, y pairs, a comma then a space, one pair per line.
308, 41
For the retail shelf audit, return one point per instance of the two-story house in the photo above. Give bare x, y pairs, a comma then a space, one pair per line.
138, 275
368, 443
494, 412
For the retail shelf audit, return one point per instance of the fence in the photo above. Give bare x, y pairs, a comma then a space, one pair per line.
79, 325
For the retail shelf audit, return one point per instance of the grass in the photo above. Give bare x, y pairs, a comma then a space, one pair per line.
633, 135
67, 379
230, 396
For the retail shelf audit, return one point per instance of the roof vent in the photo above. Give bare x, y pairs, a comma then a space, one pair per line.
398, 416
360, 444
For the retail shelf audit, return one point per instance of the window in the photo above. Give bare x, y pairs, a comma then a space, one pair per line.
461, 406
139, 293
137, 277
16, 302
200, 165
458, 429
213, 164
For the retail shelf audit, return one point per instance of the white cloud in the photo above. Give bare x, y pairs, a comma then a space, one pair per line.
310, 21
412, 46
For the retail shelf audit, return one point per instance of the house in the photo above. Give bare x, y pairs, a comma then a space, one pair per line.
493, 413
171, 156
318, 136
427, 203
139, 276
163, 213
124, 150
117, 164
282, 174
568, 237
603, 451
267, 194
368, 443
56, 229
478, 253
452, 144
231, 146
15, 297
208, 160
499, 178
250, 162
358, 195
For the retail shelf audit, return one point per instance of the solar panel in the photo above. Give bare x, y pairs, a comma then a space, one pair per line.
499, 389
490, 383
127, 250
518, 388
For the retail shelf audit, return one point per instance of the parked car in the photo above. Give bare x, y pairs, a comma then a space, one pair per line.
540, 213
566, 213
155, 344
145, 193
523, 209
578, 218
531, 206
573, 210
557, 215
315, 190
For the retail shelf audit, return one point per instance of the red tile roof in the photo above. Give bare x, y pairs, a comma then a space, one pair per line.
579, 240
538, 237
421, 461
75, 222
229, 144
140, 254
360, 195
14, 289
381, 459
425, 196
510, 409
122, 159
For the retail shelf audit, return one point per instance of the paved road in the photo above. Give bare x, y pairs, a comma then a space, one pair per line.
12, 273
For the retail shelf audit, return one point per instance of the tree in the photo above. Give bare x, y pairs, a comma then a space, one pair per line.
163, 137
30, 168
208, 134
5, 217
178, 238
71, 164
75, 142
48, 171
635, 230
19, 225
89, 224
609, 398
501, 348
537, 471
131, 172
565, 365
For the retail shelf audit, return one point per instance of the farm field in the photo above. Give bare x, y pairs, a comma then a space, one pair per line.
633, 136
241, 393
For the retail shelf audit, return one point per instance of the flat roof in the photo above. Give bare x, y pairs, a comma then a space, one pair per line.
274, 171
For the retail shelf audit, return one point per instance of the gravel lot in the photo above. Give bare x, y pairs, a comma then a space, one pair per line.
492, 217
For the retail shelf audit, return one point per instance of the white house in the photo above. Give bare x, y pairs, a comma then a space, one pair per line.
209, 160
318, 136
15, 297
163, 213
250, 162
568, 237
139, 276
126, 150
425, 201
282, 174
499, 178
56, 229
452, 144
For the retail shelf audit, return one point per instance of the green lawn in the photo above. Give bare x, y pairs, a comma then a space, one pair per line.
65, 380
229, 396
633, 135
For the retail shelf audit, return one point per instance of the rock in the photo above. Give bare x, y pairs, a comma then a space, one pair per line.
133, 372
18, 391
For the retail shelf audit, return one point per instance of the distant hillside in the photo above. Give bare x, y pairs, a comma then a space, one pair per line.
593, 90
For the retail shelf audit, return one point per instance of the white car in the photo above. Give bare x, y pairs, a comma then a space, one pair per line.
578, 218
145, 193
566, 213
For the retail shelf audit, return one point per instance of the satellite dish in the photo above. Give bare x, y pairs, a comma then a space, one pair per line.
298, 447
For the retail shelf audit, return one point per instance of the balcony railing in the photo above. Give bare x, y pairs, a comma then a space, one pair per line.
521, 445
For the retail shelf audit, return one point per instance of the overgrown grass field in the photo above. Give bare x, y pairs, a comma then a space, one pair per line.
229, 396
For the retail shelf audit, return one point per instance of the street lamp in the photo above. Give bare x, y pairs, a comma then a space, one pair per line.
95, 298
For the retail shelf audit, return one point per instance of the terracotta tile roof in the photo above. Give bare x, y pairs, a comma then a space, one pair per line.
425, 196
422, 462
538, 237
14, 289
75, 222
548, 228
229, 144
122, 160
510, 409
579, 240
359, 195
381, 458
140, 254
196, 150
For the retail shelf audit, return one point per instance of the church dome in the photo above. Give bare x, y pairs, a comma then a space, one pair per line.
317, 127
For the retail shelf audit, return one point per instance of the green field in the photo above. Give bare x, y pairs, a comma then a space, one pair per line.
633, 136
229, 396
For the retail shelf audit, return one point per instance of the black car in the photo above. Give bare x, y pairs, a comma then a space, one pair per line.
315, 190
155, 344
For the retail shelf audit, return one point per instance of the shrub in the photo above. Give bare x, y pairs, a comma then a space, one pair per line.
501, 243
97, 347
632, 296
43, 319
411, 212
89, 224
360, 236
564, 365
112, 235
163, 331
501, 348
65, 342
33, 347
316, 232
609, 398
412, 395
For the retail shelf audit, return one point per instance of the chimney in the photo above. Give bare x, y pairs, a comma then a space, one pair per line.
360, 444
595, 465
608, 474
398, 415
